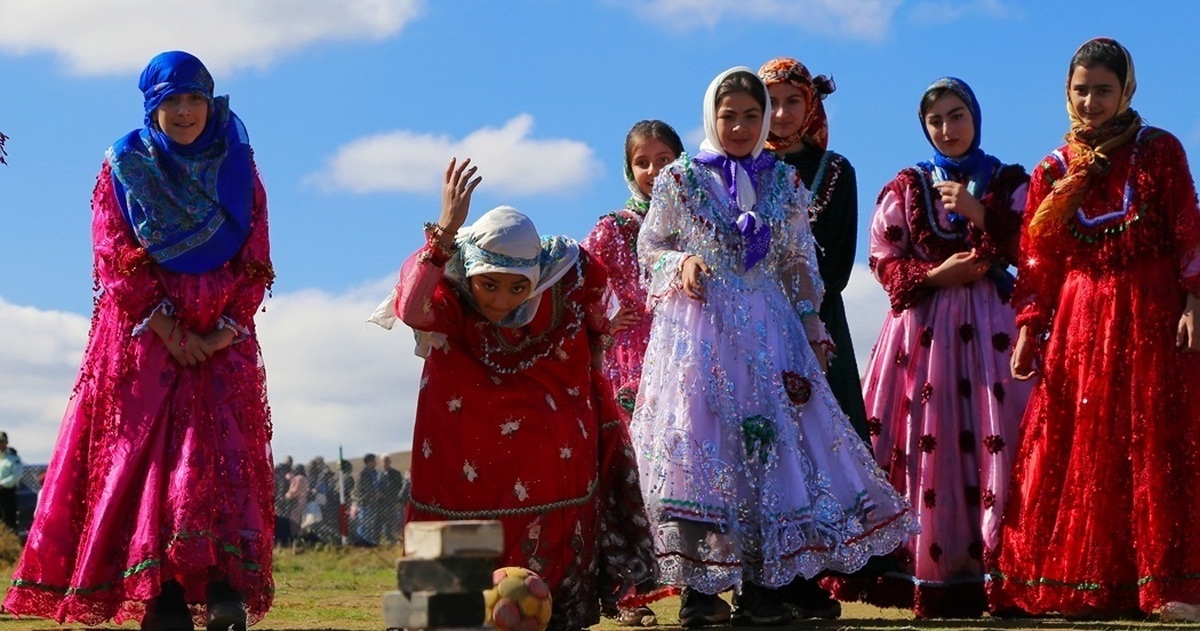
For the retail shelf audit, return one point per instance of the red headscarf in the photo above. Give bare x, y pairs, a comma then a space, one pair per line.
815, 128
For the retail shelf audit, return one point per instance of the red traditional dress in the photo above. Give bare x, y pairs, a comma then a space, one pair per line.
1101, 516
514, 424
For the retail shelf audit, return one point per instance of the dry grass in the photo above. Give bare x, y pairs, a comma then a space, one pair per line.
341, 589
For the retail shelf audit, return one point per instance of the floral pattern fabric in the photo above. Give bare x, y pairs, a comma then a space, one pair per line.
741, 482
1100, 517
119, 512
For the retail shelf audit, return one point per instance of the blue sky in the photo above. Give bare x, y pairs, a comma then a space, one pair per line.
354, 107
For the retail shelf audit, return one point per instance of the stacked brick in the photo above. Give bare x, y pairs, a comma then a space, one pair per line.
445, 569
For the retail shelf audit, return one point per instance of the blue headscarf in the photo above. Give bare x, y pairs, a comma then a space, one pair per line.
975, 167
188, 205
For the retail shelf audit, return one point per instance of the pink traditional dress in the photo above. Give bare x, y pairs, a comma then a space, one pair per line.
942, 407
513, 422
163, 471
750, 471
1101, 519
614, 241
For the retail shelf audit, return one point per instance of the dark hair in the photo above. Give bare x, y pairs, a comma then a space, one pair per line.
931, 97
742, 81
1101, 52
655, 129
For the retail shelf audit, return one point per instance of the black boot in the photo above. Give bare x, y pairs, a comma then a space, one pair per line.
168, 611
697, 609
761, 606
225, 609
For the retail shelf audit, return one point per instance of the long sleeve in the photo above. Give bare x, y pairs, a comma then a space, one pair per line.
1040, 268
254, 260
801, 279
836, 227
123, 268
613, 240
1002, 220
1179, 200
896, 267
659, 237
423, 300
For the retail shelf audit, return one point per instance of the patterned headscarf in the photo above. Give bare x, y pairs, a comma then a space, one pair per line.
1089, 148
505, 241
740, 175
975, 167
814, 130
188, 205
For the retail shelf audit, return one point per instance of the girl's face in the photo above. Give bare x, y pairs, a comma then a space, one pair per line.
950, 125
182, 116
497, 294
648, 157
789, 108
739, 123
1095, 94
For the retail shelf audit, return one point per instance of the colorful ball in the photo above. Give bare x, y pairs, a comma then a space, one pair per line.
518, 601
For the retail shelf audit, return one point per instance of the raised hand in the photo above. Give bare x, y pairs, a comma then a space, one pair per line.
460, 182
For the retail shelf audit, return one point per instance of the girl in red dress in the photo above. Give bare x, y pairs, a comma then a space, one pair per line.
1100, 520
514, 420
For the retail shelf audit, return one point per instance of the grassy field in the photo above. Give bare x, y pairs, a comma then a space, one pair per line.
341, 589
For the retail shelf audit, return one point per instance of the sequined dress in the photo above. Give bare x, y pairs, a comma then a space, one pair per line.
749, 470
614, 241
834, 186
159, 470
942, 407
1102, 515
514, 424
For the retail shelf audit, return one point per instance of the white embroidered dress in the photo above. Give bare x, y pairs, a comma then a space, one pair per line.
749, 469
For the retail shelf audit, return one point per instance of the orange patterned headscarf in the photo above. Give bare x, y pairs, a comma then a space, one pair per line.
815, 128
1089, 149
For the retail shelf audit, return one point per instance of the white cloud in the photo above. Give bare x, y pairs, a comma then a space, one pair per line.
857, 19
414, 162
39, 357
119, 36
941, 12
866, 307
333, 379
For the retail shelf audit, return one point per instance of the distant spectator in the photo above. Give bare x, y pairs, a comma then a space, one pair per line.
368, 502
296, 498
391, 484
10, 477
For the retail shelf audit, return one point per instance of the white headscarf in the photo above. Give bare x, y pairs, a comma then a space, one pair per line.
505, 241
502, 240
712, 144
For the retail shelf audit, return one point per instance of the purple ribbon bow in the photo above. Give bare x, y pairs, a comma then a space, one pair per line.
757, 235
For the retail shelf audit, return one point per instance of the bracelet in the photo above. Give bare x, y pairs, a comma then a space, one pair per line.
434, 229
808, 312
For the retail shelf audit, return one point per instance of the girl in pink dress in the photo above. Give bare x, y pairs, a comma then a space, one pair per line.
942, 408
650, 146
514, 420
158, 501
